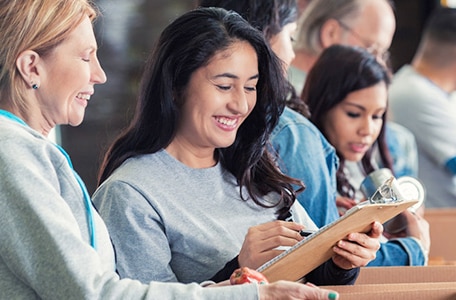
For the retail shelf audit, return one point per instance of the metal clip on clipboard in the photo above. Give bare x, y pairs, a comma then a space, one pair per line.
386, 193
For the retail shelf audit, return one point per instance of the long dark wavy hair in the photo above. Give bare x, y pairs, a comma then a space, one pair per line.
339, 71
186, 45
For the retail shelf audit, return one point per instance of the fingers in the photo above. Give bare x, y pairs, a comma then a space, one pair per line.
351, 255
376, 230
285, 290
277, 224
261, 242
273, 234
358, 249
345, 202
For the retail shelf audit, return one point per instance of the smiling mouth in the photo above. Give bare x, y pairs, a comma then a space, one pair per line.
83, 96
230, 122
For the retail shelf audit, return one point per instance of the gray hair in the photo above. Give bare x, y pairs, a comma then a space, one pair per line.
316, 15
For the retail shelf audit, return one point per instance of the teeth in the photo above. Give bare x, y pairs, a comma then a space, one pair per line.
226, 121
84, 96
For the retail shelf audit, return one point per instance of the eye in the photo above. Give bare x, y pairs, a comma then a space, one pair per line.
379, 116
353, 115
86, 59
250, 88
224, 87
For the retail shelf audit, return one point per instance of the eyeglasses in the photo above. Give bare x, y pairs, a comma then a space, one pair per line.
383, 55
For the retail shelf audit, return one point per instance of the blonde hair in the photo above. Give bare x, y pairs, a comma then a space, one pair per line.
38, 25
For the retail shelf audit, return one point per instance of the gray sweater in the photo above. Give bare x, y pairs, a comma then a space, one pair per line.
169, 222
44, 237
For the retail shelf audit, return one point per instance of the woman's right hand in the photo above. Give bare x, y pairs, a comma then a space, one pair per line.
287, 290
261, 242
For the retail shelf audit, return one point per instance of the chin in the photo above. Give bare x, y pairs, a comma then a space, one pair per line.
354, 157
75, 123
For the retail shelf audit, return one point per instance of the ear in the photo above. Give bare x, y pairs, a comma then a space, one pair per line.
27, 64
330, 33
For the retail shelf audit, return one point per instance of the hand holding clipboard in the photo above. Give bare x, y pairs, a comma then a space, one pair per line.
294, 263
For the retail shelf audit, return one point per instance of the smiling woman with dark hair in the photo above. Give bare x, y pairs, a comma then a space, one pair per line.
190, 190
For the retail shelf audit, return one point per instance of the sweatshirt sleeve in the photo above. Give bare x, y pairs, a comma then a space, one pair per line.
137, 232
330, 274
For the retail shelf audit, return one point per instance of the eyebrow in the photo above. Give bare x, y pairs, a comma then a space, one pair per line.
362, 107
356, 105
232, 76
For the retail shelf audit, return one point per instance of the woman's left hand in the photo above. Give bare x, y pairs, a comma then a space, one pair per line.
358, 249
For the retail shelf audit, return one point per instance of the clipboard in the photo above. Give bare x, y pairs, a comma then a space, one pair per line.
308, 254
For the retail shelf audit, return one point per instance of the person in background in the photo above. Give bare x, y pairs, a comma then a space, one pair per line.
369, 24
53, 243
275, 19
195, 192
420, 99
365, 23
346, 93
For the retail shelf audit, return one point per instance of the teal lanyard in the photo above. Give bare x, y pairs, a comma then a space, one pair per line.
87, 201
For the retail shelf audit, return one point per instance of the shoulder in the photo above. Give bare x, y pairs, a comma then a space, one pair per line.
19, 142
294, 128
291, 120
140, 168
409, 86
157, 173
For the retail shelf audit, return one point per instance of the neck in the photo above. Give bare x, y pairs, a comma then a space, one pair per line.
30, 120
304, 61
191, 156
444, 78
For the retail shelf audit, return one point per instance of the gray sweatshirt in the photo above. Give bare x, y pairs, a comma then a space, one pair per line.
44, 236
170, 222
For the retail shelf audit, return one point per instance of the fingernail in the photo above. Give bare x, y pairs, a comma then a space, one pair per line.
332, 296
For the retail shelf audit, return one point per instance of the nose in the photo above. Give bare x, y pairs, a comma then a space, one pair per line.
367, 127
239, 103
98, 76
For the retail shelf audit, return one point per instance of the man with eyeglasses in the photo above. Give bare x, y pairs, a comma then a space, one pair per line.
365, 23
304, 153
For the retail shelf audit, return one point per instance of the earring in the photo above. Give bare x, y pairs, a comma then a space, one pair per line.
35, 86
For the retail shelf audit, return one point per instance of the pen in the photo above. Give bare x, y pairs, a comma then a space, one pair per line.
306, 233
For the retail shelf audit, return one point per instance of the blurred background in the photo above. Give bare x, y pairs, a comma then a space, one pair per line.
126, 34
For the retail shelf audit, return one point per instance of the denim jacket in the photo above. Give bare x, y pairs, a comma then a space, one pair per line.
305, 154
